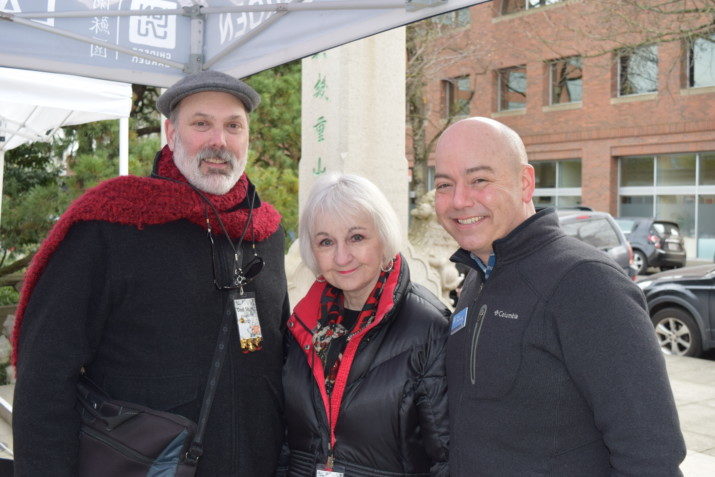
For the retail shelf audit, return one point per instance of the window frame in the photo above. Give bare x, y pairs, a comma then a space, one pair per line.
459, 18
558, 192
690, 62
654, 191
501, 84
450, 86
526, 5
552, 83
629, 53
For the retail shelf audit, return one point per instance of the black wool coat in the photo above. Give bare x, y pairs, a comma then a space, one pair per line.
138, 310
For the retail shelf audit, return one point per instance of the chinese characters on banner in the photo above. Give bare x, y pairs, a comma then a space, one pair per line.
154, 32
100, 28
150, 34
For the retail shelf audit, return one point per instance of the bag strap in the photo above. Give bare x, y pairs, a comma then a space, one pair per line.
196, 448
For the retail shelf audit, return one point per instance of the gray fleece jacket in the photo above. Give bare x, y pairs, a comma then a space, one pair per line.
553, 366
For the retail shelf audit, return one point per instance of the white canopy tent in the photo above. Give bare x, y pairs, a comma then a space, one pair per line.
35, 104
155, 42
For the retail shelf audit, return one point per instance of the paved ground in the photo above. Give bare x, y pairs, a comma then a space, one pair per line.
693, 383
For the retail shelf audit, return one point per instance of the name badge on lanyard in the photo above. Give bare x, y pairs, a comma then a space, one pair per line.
249, 327
336, 471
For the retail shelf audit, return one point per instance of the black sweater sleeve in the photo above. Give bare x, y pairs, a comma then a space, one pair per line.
61, 326
611, 353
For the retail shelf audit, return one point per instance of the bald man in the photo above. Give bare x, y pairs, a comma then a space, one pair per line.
552, 364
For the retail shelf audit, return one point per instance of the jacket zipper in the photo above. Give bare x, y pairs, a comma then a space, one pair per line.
475, 338
119, 447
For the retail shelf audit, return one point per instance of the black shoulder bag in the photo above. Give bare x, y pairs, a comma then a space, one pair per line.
123, 439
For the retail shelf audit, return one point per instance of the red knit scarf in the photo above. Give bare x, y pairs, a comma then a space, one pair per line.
142, 201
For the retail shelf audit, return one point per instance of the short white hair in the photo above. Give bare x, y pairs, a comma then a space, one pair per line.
345, 197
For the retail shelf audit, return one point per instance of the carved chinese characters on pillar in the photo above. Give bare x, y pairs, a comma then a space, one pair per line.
320, 92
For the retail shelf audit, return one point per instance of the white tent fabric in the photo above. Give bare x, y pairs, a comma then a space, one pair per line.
119, 40
34, 104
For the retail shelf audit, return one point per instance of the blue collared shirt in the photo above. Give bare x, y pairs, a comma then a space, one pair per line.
487, 269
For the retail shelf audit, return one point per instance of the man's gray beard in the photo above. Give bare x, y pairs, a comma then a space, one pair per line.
214, 182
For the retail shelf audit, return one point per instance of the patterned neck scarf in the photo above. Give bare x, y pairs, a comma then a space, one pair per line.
330, 326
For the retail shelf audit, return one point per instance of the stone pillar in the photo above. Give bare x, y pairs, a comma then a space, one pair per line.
353, 121
353, 116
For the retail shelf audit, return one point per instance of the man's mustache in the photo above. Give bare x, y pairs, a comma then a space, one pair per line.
212, 152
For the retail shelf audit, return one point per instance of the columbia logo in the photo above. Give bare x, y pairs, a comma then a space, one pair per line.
503, 314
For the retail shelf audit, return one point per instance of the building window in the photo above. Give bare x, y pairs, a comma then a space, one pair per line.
637, 171
512, 88
457, 18
677, 187
558, 183
638, 70
457, 95
430, 177
706, 226
701, 62
675, 170
513, 6
566, 79
706, 172
636, 206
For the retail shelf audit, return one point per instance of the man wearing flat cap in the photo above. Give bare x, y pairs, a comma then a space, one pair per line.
133, 289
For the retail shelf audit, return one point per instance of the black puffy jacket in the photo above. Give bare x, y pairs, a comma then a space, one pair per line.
393, 416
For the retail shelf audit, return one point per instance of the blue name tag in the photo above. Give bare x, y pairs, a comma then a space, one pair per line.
458, 321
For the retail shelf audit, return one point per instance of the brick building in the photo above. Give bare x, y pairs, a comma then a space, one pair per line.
610, 119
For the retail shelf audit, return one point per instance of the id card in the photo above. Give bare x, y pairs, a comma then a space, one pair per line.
458, 321
335, 471
249, 328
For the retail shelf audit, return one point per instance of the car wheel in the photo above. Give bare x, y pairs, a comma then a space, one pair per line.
677, 332
640, 262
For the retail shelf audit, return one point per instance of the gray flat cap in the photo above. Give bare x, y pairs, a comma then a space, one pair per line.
208, 80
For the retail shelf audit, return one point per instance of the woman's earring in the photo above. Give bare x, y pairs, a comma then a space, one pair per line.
388, 268
320, 279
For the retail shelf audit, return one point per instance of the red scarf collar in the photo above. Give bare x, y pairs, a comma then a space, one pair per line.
142, 201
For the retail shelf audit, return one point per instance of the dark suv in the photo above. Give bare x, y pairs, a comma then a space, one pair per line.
655, 243
681, 305
600, 230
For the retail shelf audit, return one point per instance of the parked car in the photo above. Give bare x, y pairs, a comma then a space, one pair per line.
655, 243
600, 230
681, 304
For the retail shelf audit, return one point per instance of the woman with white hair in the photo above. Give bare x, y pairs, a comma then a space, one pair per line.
364, 379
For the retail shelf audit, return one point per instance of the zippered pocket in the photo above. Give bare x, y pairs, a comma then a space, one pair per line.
475, 342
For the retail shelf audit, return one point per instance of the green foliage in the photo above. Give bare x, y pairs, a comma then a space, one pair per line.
276, 140
8, 296
31, 165
27, 217
144, 117
279, 187
97, 137
275, 124
141, 155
